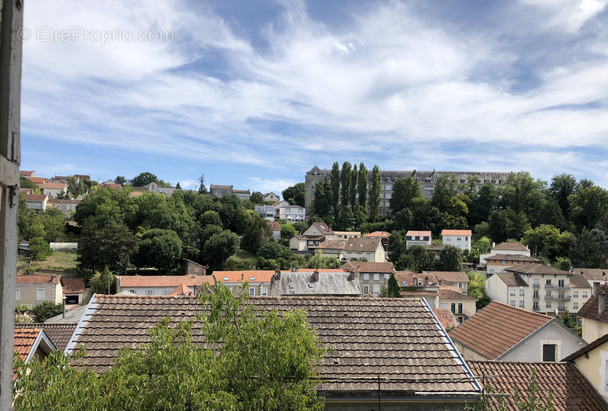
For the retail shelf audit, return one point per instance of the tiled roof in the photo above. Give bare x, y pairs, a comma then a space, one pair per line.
591, 274
510, 246
127, 281
511, 257
570, 390
418, 233
72, 285
323, 228
24, 341
446, 294
434, 247
578, 281
62, 201
37, 180
512, 279
250, 276
181, 289
445, 317
536, 269
456, 232
369, 267
303, 283
366, 244
381, 234
71, 316
35, 197
38, 279
59, 334
501, 326
60, 186
590, 308
331, 245
241, 192
450, 276
111, 186
274, 226
396, 341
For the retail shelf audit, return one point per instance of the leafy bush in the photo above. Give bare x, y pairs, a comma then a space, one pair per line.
46, 310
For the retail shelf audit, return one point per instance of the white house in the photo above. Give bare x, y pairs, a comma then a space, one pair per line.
422, 238
36, 201
458, 238
505, 248
291, 213
54, 190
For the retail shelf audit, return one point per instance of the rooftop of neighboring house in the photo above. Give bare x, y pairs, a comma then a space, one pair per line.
379, 234
127, 281
27, 173
239, 277
35, 197
453, 277
112, 186
418, 233
37, 180
362, 244
371, 339
510, 246
274, 226
593, 309
408, 279
331, 245
501, 326
219, 187
578, 281
456, 232
446, 317
449, 294
369, 267
512, 279
569, 389
348, 233
72, 316
511, 257
241, 192
597, 274
322, 227
62, 201
315, 282
58, 186
38, 279
59, 334
72, 285
28, 340
536, 269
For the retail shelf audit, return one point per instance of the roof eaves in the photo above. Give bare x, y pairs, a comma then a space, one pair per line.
41, 338
586, 348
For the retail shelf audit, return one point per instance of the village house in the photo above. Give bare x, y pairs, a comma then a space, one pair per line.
291, 213
513, 334
276, 230
258, 281
267, 212
460, 239
593, 314
216, 190
422, 238
414, 285
461, 305
456, 278
159, 284
314, 235
242, 194
369, 248
331, 248
271, 197
67, 207
36, 201
384, 236
509, 248
593, 275
372, 276
54, 190
309, 282
35, 289
592, 361
374, 344
153, 187
499, 262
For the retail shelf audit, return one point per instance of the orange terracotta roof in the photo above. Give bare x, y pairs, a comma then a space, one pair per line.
127, 281
111, 186
38, 279
35, 197
181, 289
274, 226
381, 234
54, 185
418, 233
510, 246
37, 180
502, 327
445, 317
456, 232
24, 341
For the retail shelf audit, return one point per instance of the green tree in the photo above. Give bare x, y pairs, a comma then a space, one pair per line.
352, 200
547, 241
477, 289
256, 234
374, 195
345, 186
362, 186
404, 191
562, 187
46, 310
201, 186
28, 225
26, 183
589, 249
39, 249
393, 287
450, 259
323, 203
219, 247
159, 248
257, 198
53, 222
120, 180
445, 188
111, 246
505, 224
295, 194
588, 205
103, 282
483, 204
418, 259
570, 321
143, 179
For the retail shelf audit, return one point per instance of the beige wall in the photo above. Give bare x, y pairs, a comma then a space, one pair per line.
594, 366
28, 293
370, 280
468, 354
592, 330
468, 308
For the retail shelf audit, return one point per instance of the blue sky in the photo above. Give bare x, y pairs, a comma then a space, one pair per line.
255, 93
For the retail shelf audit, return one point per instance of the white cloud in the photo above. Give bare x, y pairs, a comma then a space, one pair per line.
569, 15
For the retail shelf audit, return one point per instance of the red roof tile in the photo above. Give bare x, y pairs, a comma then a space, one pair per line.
127, 281
38, 279
591, 310
510, 246
456, 232
24, 341
72, 285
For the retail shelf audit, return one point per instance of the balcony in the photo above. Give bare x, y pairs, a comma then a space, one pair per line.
557, 298
561, 308
536, 286
535, 308
536, 297
557, 287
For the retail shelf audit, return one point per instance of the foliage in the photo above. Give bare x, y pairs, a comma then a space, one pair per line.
295, 194
320, 261
39, 249
257, 198
404, 191
362, 187
219, 247
334, 181
374, 195
507, 223
143, 179
110, 246
562, 264
27, 183
571, 322
45, 310
159, 248
418, 259
256, 234
322, 204
345, 186
449, 259
547, 241
101, 281
265, 361
392, 288
477, 289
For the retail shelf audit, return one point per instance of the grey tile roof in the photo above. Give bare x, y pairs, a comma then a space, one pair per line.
303, 283
398, 341
58, 333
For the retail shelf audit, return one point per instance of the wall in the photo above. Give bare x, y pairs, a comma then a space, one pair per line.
28, 293
594, 368
468, 354
592, 330
496, 289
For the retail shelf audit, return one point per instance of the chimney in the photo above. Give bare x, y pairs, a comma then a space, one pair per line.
315, 275
242, 277
596, 288
277, 274
351, 276
601, 303
52, 278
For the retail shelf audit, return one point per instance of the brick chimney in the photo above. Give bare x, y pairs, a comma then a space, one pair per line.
315, 276
596, 288
601, 303
242, 277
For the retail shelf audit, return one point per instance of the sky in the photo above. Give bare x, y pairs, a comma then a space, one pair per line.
255, 93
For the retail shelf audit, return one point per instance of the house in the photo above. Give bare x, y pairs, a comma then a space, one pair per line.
422, 238
193, 268
538, 288
219, 190
445, 317
158, 284
266, 211
565, 382
382, 235
391, 353
314, 235
67, 207
369, 248
276, 230
345, 235
500, 332
34, 289
54, 190
460, 239
290, 213
593, 314
455, 278
73, 290
153, 187
592, 362
59, 334
30, 343
461, 305
38, 181
242, 194
305, 282
593, 275
498, 262
27, 174
331, 248
505, 248
36, 201
422, 286
258, 281
110, 184
271, 197
372, 276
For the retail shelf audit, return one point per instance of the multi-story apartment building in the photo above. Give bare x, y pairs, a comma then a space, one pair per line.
426, 179
538, 288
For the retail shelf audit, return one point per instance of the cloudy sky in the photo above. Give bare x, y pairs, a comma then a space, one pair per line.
255, 93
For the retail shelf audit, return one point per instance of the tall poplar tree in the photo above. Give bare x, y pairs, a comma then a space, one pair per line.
334, 181
345, 176
352, 201
374, 195
362, 186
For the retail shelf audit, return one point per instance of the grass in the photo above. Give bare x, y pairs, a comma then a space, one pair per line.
60, 261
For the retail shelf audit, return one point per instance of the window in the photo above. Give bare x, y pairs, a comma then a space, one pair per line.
535, 306
503, 262
548, 293
548, 282
560, 283
535, 294
40, 294
387, 276
521, 303
17, 294
149, 292
584, 294
548, 304
166, 292
459, 308
251, 291
549, 351
453, 308
366, 289
132, 291
376, 290
512, 291
263, 291
368, 255
575, 294
575, 305
366, 276
512, 303
522, 292
536, 283
376, 277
